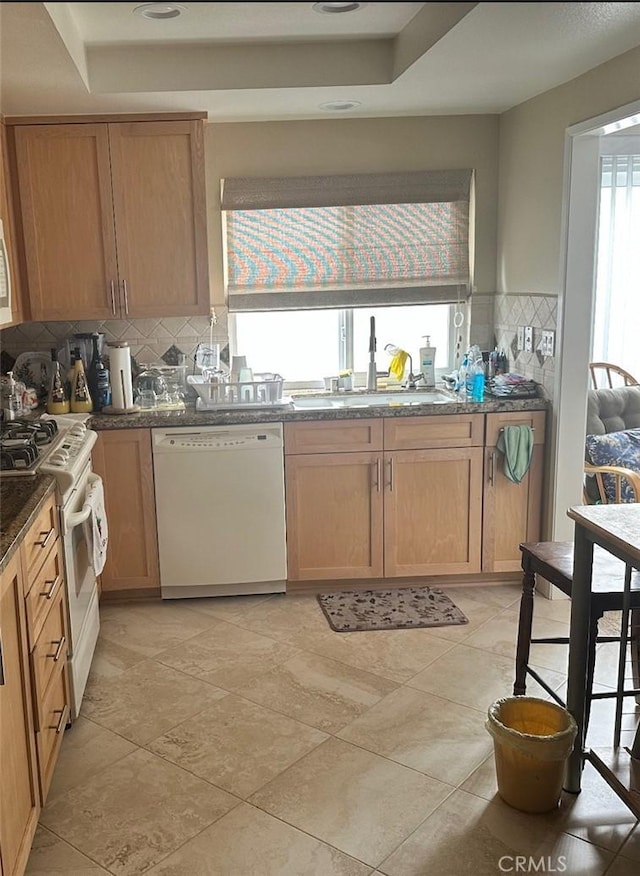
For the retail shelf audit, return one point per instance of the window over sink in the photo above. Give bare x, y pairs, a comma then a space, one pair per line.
304, 346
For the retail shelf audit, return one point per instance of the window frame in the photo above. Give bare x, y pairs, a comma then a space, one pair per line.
346, 347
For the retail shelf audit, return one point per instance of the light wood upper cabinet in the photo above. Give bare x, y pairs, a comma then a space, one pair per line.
67, 220
8, 224
512, 512
160, 217
19, 798
113, 219
123, 460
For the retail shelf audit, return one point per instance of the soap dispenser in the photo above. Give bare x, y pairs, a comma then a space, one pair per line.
428, 362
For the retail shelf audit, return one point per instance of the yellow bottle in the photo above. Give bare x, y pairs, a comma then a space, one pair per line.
57, 400
81, 402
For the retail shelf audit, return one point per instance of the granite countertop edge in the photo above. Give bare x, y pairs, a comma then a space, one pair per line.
192, 417
20, 501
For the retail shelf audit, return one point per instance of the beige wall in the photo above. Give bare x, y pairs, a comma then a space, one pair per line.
360, 146
532, 141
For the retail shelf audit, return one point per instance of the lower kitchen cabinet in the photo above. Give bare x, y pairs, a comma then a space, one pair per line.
123, 460
334, 516
432, 511
512, 512
19, 794
408, 497
395, 513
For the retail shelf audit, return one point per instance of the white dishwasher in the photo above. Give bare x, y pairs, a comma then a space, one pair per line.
220, 510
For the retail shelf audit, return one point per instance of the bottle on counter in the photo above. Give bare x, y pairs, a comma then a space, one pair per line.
58, 397
428, 362
81, 402
12, 406
70, 372
98, 377
477, 381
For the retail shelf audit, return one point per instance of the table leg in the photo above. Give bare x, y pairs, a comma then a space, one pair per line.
578, 650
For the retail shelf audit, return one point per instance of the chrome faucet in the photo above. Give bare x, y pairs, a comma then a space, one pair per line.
410, 382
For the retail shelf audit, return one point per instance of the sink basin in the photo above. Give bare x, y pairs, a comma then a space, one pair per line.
375, 399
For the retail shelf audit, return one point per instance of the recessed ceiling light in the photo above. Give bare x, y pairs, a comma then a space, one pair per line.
160, 11
339, 106
337, 7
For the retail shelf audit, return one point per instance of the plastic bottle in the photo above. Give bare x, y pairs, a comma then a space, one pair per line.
428, 362
12, 405
461, 385
98, 377
70, 372
58, 398
473, 356
81, 402
478, 381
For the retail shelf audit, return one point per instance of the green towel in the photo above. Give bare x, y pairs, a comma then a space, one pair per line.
516, 442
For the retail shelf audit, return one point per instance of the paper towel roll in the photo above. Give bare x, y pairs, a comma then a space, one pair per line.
121, 384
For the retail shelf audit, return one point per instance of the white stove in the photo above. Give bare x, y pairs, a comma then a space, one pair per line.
61, 446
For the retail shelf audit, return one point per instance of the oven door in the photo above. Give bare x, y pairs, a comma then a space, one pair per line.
82, 588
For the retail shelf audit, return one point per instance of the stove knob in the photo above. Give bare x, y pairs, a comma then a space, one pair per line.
57, 459
78, 429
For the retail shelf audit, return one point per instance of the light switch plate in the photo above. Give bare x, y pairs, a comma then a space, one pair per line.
520, 337
548, 343
528, 338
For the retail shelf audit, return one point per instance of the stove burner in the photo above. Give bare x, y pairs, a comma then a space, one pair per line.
20, 441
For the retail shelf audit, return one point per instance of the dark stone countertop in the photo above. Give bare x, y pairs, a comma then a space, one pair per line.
20, 501
192, 417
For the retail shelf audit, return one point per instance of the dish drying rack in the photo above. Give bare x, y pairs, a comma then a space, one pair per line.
217, 393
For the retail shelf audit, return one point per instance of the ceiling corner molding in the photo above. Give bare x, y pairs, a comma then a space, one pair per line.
65, 24
424, 30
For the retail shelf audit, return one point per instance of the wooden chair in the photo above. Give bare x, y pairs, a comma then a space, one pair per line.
609, 410
608, 371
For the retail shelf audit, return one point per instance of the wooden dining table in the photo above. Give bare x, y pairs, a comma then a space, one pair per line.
616, 528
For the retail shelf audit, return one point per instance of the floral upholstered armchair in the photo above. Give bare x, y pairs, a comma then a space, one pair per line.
612, 457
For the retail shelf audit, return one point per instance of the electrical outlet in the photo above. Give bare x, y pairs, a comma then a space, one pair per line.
520, 337
528, 338
548, 343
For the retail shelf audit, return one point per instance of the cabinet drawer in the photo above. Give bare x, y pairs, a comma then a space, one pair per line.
497, 422
46, 585
423, 433
54, 718
49, 651
41, 536
318, 436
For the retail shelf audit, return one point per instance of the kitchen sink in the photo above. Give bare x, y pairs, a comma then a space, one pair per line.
375, 399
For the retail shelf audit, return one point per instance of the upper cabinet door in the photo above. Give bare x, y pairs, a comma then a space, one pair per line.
67, 216
160, 217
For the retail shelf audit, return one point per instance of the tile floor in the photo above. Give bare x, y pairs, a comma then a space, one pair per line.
242, 737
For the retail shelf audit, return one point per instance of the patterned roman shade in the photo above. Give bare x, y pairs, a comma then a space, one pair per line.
347, 241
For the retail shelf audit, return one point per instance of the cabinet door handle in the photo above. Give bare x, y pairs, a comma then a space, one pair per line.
63, 719
113, 298
62, 642
126, 297
47, 537
53, 586
391, 474
492, 468
377, 480
1, 662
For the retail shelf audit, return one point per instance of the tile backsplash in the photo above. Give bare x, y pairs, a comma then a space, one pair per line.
538, 311
494, 320
149, 339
